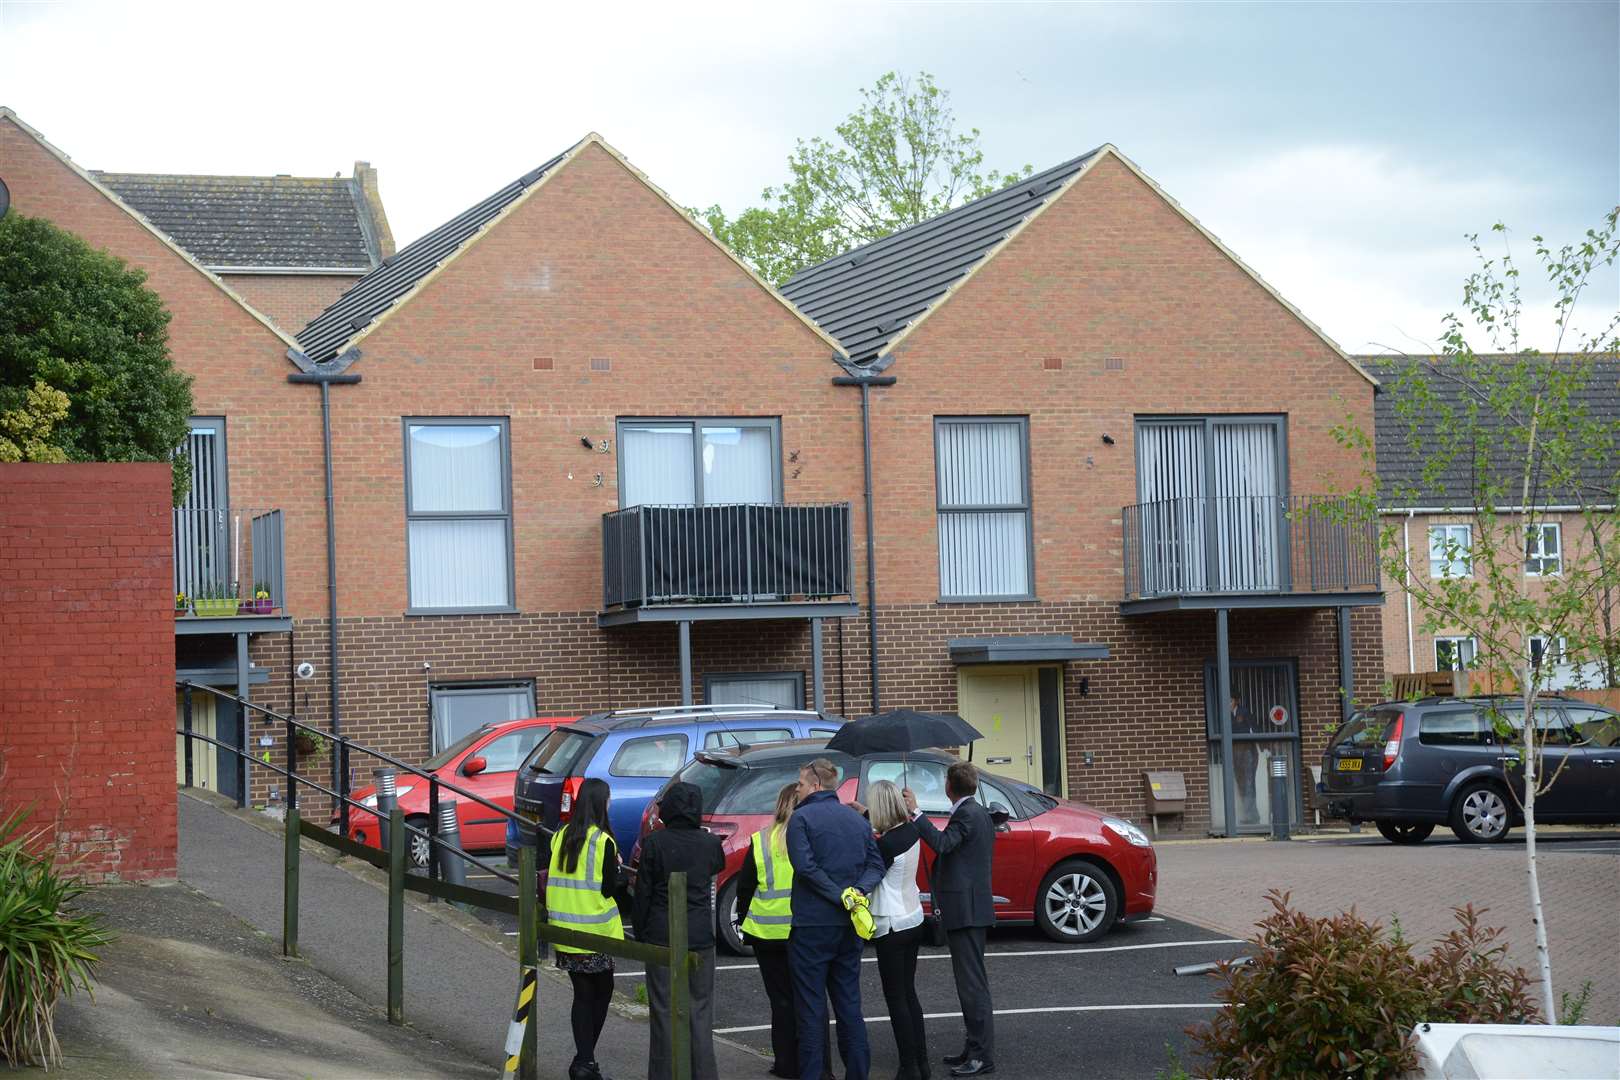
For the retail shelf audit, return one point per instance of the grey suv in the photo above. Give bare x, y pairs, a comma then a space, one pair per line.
1408, 766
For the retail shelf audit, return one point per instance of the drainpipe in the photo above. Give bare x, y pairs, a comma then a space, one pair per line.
1406, 553
325, 380
866, 382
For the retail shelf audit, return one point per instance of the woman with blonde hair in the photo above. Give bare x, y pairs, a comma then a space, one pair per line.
765, 908
898, 925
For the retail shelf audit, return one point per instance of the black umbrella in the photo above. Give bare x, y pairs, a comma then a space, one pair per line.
904, 730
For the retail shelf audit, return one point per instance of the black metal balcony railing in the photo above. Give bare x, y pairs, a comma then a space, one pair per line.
1247, 544
224, 558
732, 553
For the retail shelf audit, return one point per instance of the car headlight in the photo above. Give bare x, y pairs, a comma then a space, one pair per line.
369, 802
1127, 832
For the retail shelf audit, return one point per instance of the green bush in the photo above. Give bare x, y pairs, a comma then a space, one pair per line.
47, 949
1339, 997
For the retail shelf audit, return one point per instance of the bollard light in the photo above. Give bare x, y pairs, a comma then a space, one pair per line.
1279, 767
448, 828
387, 783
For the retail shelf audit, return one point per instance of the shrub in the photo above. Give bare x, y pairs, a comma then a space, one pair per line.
46, 948
1339, 997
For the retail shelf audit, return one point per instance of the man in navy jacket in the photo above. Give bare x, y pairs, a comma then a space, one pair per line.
832, 849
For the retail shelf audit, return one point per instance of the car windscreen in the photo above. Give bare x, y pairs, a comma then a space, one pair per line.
448, 754
561, 752
1364, 729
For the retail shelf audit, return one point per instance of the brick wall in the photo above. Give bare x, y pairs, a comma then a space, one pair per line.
290, 300
87, 676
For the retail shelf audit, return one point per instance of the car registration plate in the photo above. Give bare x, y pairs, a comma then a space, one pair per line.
1349, 764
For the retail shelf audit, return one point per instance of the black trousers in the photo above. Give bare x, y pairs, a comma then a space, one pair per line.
592, 995
973, 991
778, 978
897, 967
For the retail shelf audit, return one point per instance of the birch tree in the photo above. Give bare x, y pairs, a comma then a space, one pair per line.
1521, 425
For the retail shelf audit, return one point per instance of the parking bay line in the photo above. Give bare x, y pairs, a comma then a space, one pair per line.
1008, 1012
1007, 952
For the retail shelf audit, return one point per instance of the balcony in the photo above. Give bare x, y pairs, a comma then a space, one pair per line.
224, 558
736, 560
1248, 551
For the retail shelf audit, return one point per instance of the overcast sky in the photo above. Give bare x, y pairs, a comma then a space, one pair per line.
1342, 150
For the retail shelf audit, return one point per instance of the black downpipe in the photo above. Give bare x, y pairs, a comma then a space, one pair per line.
866, 383
325, 381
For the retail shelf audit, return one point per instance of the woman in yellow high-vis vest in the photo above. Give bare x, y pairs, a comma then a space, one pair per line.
583, 885
765, 904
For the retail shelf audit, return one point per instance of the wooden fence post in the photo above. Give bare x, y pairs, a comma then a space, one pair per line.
289, 890
398, 842
680, 991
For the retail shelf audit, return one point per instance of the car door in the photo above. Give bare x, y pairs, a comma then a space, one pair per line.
637, 767
1596, 732
482, 827
1015, 853
1560, 763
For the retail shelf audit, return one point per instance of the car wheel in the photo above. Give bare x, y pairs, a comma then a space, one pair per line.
728, 926
1480, 815
1077, 902
421, 849
1405, 832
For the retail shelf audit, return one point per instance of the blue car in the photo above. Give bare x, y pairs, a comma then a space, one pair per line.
635, 751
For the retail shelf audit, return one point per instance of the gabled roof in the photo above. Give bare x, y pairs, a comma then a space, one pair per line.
359, 310
163, 237
238, 222
1400, 440
866, 297
871, 298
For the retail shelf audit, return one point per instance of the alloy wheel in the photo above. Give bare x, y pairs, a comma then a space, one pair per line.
421, 849
1075, 903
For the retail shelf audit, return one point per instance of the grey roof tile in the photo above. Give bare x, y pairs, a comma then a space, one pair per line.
280, 221
329, 332
866, 297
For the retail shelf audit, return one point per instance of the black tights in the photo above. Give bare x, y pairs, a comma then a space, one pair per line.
592, 995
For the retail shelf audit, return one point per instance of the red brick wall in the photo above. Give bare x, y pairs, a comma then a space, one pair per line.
87, 679
290, 300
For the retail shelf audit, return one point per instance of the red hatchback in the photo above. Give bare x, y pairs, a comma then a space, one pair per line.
1071, 870
484, 763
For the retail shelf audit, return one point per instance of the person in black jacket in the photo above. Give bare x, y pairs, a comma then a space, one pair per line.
966, 906
682, 844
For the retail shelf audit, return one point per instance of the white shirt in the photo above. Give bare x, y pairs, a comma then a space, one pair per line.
896, 903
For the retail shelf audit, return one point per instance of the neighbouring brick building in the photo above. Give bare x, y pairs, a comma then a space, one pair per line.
583, 458
86, 690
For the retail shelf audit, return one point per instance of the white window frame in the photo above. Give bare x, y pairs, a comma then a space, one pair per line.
1559, 647
1026, 506
1535, 548
504, 515
1465, 551
1455, 642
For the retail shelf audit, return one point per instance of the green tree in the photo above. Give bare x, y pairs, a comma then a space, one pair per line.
83, 323
897, 160
1519, 423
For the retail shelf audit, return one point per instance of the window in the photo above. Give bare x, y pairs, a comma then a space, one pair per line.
699, 462
1462, 728
1453, 653
784, 690
1449, 547
458, 515
458, 710
982, 475
989, 795
1599, 727
1364, 729
1545, 651
654, 755
1550, 727
506, 753
756, 791
715, 740
1544, 550
561, 751
926, 779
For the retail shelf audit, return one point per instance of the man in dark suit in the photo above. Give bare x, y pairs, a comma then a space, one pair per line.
966, 907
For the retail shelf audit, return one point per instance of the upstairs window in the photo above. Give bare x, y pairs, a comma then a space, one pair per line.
1453, 653
699, 462
458, 511
1544, 550
1449, 549
981, 467
1543, 650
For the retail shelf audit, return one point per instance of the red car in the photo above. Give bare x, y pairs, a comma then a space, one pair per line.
1071, 870
484, 763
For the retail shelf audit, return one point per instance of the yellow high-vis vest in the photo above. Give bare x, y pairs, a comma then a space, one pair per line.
770, 913
575, 900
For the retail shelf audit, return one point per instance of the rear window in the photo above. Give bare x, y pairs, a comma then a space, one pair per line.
1365, 729
650, 755
755, 790
1464, 727
711, 780
561, 752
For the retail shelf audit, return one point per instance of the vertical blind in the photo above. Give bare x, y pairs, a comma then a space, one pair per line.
202, 541
458, 561
738, 465
1247, 508
1170, 478
458, 712
657, 463
779, 690
983, 508
687, 463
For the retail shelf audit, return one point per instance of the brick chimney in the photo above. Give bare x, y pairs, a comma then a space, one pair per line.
365, 178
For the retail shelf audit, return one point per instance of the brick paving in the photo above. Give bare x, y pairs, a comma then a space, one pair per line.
1221, 884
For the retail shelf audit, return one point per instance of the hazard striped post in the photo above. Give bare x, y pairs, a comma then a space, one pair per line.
523, 1036
520, 1032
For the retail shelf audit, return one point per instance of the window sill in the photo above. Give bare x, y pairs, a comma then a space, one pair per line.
414, 612
963, 600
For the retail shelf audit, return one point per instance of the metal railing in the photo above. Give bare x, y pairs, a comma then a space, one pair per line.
730, 553
1247, 544
445, 854
225, 557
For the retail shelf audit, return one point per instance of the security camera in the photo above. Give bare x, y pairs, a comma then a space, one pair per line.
306, 670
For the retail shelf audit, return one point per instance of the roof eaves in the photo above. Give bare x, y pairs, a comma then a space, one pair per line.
815, 328
107, 193
1110, 148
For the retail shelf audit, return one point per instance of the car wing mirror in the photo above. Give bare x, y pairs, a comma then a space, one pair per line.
999, 816
474, 765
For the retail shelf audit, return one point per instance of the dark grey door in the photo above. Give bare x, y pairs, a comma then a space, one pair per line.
1265, 728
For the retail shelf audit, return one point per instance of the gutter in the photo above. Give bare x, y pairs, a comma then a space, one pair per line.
343, 271
866, 382
326, 379
1554, 508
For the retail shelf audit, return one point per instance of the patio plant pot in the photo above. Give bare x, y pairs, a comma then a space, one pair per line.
257, 607
217, 607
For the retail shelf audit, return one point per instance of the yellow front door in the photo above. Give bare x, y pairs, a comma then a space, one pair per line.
203, 754
1004, 703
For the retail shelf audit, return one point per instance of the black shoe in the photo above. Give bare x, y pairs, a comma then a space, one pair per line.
954, 1060
974, 1067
